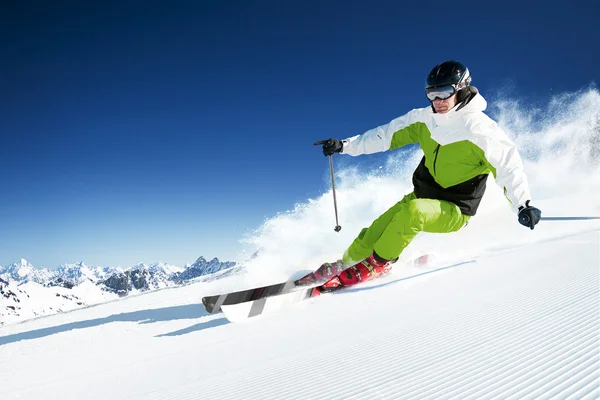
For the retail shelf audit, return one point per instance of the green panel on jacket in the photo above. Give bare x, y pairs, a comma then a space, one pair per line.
451, 164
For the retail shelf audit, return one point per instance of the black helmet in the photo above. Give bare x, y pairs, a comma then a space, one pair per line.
449, 73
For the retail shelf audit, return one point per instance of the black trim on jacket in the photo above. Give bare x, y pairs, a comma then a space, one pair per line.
466, 195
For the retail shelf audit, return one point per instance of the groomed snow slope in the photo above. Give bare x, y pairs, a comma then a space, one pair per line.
511, 324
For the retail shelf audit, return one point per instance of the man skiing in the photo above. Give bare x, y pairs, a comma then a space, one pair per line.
462, 146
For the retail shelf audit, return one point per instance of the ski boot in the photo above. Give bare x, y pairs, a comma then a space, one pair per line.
367, 269
322, 274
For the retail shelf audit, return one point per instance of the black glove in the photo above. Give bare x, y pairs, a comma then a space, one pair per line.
529, 216
331, 146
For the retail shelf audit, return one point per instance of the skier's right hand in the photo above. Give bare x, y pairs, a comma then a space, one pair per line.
330, 146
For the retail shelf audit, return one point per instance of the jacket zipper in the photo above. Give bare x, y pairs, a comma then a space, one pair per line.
437, 150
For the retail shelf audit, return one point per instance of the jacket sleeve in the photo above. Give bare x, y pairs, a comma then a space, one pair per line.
399, 132
503, 158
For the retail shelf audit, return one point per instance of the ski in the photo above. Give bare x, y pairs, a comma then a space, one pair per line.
242, 311
214, 303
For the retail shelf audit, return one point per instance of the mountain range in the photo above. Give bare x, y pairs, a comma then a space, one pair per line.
27, 291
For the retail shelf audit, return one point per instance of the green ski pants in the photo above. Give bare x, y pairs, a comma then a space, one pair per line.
393, 231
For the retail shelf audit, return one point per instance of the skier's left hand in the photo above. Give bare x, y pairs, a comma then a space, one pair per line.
529, 216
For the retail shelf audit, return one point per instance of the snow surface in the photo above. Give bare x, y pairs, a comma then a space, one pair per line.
37, 300
501, 312
516, 323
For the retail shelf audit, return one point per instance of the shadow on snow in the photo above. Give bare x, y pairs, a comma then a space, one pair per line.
189, 311
198, 327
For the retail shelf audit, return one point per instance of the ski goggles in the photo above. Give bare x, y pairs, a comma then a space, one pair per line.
440, 92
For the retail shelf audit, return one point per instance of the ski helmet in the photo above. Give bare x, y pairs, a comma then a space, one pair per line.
449, 73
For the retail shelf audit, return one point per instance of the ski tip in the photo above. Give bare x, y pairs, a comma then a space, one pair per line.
208, 305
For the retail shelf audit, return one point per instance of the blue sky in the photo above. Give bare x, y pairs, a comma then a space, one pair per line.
138, 131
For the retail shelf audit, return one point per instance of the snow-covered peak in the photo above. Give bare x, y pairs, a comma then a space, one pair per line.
80, 272
164, 268
159, 268
202, 267
200, 261
24, 271
20, 268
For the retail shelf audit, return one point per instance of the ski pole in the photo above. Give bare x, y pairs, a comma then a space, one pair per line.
568, 218
337, 224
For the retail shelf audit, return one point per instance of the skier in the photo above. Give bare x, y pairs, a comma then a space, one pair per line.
462, 146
